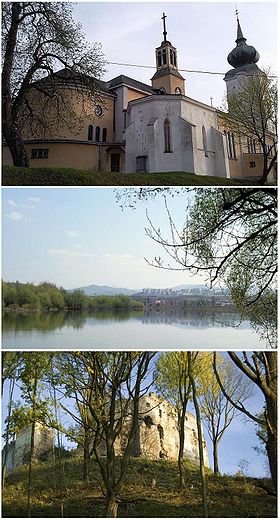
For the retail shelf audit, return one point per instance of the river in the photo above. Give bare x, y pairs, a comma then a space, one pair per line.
128, 330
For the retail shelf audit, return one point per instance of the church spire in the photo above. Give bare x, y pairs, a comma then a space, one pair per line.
167, 76
243, 59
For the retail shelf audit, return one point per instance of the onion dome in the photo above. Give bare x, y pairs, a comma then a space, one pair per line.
242, 54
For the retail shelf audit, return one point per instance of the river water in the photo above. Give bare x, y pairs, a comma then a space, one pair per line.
128, 330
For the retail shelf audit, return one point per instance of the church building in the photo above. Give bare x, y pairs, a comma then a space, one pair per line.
135, 127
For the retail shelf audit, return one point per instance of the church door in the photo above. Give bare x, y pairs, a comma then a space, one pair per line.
115, 162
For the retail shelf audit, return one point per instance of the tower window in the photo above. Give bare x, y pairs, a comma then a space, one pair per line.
177, 91
104, 135
90, 133
159, 60
163, 56
167, 136
97, 133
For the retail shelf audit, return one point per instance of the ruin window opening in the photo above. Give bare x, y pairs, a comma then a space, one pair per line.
148, 421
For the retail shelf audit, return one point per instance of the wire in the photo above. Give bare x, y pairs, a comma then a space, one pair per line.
180, 70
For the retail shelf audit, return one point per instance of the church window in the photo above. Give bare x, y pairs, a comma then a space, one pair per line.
40, 153
104, 135
164, 57
141, 163
204, 140
230, 145
159, 60
167, 136
252, 164
97, 133
177, 90
251, 145
90, 133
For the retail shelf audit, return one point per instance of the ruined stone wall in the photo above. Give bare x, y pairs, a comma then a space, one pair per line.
19, 449
158, 436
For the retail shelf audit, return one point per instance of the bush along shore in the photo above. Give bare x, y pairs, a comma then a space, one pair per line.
24, 298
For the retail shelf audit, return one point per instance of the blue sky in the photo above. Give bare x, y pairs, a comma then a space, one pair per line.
203, 32
77, 237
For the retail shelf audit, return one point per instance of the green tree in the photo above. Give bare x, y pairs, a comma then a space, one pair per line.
231, 236
216, 410
173, 383
117, 380
252, 111
39, 37
192, 358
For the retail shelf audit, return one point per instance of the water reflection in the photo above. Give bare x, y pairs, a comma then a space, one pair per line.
128, 329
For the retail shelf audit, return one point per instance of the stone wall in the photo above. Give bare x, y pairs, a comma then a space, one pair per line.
19, 449
157, 435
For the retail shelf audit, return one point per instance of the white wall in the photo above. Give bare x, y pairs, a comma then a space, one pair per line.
145, 136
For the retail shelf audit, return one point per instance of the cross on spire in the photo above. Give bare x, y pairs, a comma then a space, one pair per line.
164, 26
236, 12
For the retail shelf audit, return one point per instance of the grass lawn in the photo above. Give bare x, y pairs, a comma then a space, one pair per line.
151, 490
16, 176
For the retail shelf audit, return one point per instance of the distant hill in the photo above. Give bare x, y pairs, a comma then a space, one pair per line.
105, 290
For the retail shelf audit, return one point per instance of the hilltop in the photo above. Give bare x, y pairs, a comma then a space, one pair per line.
150, 490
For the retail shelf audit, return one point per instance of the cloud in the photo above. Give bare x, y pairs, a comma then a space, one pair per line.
34, 199
72, 233
12, 203
119, 257
68, 253
14, 215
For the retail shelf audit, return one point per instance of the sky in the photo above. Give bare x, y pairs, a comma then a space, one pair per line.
81, 236
203, 32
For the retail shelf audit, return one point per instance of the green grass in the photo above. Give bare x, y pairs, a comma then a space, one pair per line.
16, 176
228, 496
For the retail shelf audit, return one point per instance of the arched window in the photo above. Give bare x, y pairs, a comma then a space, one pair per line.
167, 136
104, 135
97, 133
178, 91
204, 140
90, 133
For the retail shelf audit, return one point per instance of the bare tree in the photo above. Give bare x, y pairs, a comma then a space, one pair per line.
116, 381
38, 38
261, 369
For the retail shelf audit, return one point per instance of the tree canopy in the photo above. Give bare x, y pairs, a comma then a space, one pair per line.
38, 39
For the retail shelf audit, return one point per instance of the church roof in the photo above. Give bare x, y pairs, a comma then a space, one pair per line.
70, 78
130, 82
166, 71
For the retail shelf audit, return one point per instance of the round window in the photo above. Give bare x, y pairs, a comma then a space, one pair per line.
98, 110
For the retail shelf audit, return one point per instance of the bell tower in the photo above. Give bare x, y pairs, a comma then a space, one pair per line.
243, 59
167, 76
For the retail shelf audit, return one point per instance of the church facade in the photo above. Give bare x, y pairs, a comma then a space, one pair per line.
135, 127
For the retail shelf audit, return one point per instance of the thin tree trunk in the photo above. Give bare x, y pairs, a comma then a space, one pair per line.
5, 457
181, 447
200, 439
271, 444
30, 468
215, 457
